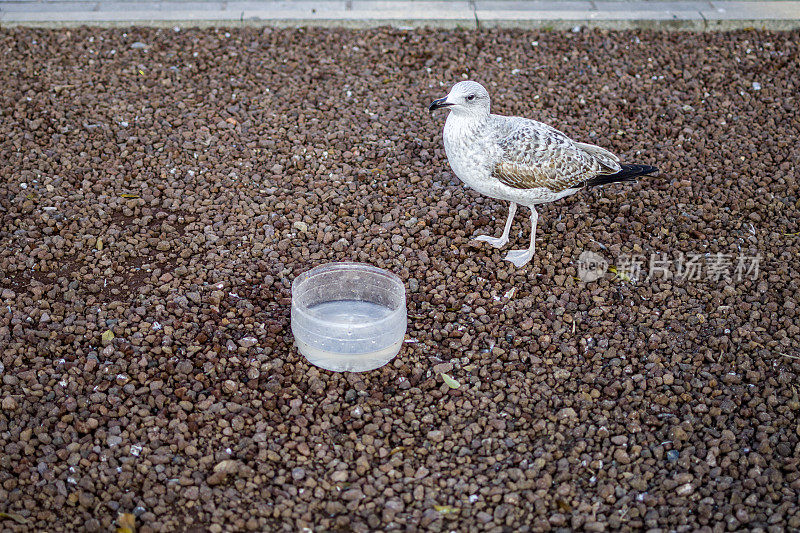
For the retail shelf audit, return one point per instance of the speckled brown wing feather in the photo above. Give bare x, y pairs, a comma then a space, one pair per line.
537, 156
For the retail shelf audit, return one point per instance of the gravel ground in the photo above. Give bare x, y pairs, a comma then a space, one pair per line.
160, 190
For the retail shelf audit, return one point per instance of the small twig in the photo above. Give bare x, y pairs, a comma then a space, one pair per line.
790, 356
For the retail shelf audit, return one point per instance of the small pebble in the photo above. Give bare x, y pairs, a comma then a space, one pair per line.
673, 456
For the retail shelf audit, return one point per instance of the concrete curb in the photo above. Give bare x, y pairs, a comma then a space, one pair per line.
691, 15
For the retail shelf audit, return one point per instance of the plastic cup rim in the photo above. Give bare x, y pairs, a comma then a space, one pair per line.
347, 265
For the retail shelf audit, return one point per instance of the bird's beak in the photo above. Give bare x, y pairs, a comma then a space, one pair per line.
439, 104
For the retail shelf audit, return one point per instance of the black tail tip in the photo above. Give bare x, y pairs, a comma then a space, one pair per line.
627, 173
646, 169
636, 170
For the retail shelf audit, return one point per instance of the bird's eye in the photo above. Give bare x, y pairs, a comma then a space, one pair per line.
471, 97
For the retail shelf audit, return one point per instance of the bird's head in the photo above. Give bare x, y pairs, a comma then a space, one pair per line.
467, 98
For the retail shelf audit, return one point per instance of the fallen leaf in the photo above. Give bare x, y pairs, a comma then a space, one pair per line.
107, 336
621, 275
446, 509
397, 450
453, 384
127, 523
126, 195
99, 244
15, 517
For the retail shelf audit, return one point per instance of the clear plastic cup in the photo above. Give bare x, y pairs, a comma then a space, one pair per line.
348, 317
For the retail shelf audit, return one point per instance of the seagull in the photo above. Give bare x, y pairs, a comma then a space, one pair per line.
520, 160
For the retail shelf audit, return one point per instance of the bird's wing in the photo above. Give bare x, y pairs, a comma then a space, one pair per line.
605, 157
535, 155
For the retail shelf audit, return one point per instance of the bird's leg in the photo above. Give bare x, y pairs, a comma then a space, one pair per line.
499, 243
521, 257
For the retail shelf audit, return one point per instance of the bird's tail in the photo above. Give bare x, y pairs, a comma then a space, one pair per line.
627, 173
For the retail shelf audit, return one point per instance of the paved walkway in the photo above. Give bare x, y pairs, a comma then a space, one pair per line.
556, 14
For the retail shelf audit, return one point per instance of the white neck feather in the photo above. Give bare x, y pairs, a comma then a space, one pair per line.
459, 125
